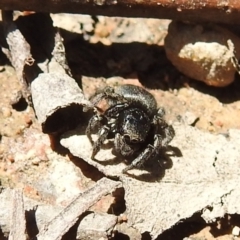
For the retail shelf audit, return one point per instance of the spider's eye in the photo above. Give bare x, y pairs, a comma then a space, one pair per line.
128, 139
134, 141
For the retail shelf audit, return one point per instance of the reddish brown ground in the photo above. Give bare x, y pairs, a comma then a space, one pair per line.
128, 51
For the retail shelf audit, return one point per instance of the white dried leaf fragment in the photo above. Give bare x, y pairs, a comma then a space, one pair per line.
205, 172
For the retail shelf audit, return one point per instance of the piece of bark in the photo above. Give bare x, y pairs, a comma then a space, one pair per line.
18, 52
201, 174
58, 102
59, 225
59, 55
205, 10
18, 221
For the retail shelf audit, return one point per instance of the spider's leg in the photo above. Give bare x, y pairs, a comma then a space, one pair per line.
163, 135
162, 128
149, 153
102, 136
118, 142
169, 135
161, 112
99, 96
107, 93
94, 123
114, 111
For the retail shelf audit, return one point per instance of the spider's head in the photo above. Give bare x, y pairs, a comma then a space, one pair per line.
133, 125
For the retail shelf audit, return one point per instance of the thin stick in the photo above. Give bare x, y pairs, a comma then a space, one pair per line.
58, 226
18, 221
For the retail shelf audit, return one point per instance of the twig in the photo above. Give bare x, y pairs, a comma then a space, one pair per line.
58, 226
92, 225
58, 102
19, 49
59, 54
18, 221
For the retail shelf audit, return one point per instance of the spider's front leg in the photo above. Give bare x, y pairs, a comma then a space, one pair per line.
114, 111
94, 123
108, 94
169, 135
108, 91
161, 127
150, 152
163, 135
102, 136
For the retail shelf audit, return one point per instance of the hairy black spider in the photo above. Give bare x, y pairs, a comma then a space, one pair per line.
130, 115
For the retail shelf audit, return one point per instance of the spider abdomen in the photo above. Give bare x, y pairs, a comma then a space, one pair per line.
138, 97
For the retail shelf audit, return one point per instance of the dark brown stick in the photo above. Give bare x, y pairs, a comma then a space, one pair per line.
204, 10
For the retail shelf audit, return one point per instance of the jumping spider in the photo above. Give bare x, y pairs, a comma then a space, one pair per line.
130, 115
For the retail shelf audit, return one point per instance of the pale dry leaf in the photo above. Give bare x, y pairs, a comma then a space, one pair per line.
207, 174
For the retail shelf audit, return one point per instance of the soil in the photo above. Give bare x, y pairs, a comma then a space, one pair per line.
111, 51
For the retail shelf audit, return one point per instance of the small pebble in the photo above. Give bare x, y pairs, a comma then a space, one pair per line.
106, 41
122, 218
175, 92
102, 32
16, 96
6, 112
28, 120
10, 158
211, 129
2, 68
189, 118
31, 154
36, 161
236, 231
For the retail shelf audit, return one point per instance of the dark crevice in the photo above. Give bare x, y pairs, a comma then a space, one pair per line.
119, 205
194, 224
2, 237
223, 226
148, 62
31, 224
64, 119
184, 228
121, 236
72, 232
146, 236
21, 105
88, 170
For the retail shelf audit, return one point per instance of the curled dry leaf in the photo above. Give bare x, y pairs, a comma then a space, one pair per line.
58, 101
